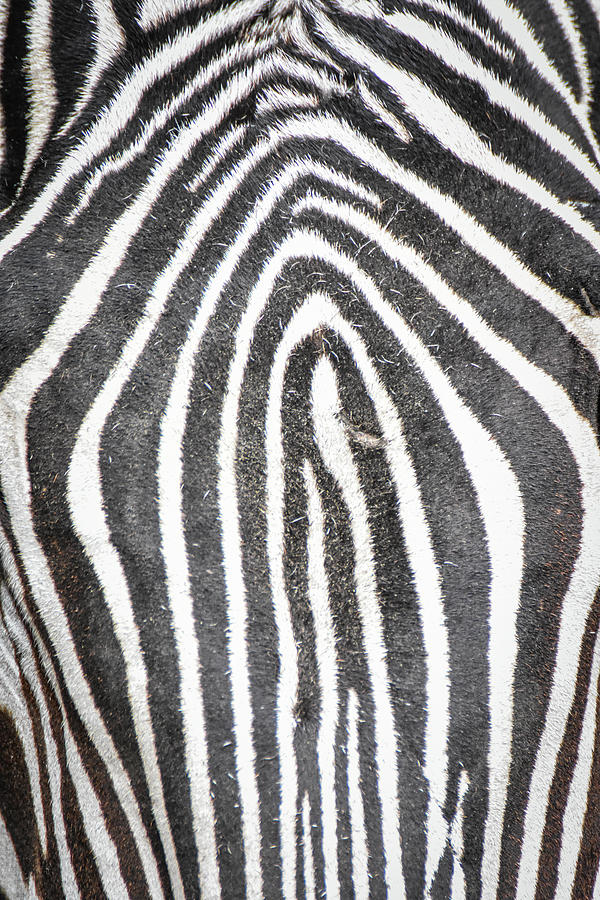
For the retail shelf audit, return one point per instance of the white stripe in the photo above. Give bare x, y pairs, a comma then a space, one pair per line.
318, 592
424, 565
232, 555
458, 887
98, 837
3, 24
108, 39
510, 20
494, 469
467, 23
73, 675
502, 513
103, 849
166, 112
28, 667
309, 865
381, 112
337, 456
454, 132
596, 894
282, 98
556, 405
287, 687
84, 479
231, 137
571, 33
89, 519
39, 78
360, 854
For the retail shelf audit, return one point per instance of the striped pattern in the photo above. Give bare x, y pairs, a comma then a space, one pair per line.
299, 463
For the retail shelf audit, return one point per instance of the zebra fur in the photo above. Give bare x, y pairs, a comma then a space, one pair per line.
299, 464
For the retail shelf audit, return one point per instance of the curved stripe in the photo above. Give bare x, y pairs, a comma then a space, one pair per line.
108, 40
93, 821
556, 405
422, 557
39, 77
584, 327
173, 436
436, 642
502, 512
453, 132
116, 116
503, 518
337, 456
85, 472
88, 517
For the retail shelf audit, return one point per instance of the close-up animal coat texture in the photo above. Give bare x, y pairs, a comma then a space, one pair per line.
299, 458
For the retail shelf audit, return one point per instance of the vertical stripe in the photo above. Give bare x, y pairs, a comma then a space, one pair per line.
360, 854
458, 887
572, 826
172, 431
40, 82
501, 508
585, 328
108, 40
25, 654
309, 865
337, 456
318, 592
156, 12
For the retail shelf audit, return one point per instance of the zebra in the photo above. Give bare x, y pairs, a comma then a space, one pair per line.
299, 464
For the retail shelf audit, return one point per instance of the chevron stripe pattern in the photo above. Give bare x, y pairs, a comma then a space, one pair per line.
299, 461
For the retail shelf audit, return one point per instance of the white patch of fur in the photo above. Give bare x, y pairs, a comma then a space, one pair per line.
360, 853
39, 77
